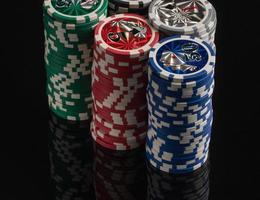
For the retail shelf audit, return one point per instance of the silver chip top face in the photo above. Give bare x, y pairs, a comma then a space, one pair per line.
179, 13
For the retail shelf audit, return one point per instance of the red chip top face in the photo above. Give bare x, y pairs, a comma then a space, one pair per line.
126, 33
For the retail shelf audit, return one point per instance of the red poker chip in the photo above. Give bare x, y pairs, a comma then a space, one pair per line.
123, 71
118, 104
106, 88
115, 146
117, 83
119, 61
119, 71
123, 140
119, 97
115, 59
126, 112
121, 134
116, 97
121, 120
135, 114
123, 112
130, 45
131, 78
101, 78
122, 128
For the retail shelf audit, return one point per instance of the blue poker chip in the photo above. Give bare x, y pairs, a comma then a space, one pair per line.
173, 130
185, 156
164, 156
179, 120
181, 136
169, 146
173, 104
161, 112
181, 132
177, 155
165, 123
161, 120
177, 110
183, 92
174, 142
180, 140
179, 95
179, 161
179, 98
175, 169
171, 101
179, 85
182, 58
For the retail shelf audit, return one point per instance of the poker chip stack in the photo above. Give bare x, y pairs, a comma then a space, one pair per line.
191, 186
69, 32
119, 80
71, 159
118, 175
179, 95
184, 17
139, 7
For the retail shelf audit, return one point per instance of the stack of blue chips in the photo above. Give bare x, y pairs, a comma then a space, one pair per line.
179, 95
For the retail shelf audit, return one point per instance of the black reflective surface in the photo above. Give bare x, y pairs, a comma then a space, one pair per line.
71, 159
26, 141
82, 169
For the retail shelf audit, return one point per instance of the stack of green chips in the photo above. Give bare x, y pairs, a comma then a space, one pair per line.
69, 37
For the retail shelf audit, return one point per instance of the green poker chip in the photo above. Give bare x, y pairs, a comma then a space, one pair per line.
72, 88
75, 11
58, 64
71, 103
69, 115
69, 31
70, 106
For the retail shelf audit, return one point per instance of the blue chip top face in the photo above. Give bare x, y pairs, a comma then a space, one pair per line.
182, 56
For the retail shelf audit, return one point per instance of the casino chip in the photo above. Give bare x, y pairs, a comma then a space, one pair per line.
184, 17
179, 96
119, 175
69, 32
71, 159
139, 7
191, 186
119, 81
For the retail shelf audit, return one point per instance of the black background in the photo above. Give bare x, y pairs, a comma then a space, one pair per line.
235, 169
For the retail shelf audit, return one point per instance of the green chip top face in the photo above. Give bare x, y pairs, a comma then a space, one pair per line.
75, 7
